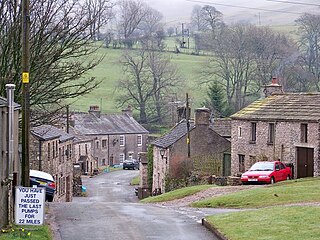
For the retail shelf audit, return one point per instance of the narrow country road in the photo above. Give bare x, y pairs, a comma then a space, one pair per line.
111, 211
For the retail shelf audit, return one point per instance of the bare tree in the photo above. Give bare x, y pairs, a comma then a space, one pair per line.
149, 79
60, 58
99, 13
246, 57
309, 61
131, 13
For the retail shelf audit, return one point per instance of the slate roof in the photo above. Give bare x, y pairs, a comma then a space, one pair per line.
283, 107
173, 135
220, 126
48, 132
115, 124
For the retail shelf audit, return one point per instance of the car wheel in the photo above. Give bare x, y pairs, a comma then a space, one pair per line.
272, 181
49, 198
288, 177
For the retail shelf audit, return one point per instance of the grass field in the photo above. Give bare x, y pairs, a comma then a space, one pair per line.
293, 191
177, 194
109, 71
26, 232
276, 223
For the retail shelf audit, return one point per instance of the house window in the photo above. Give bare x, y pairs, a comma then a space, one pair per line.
104, 143
122, 140
271, 133
241, 163
121, 157
97, 144
304, 133
56, 148
239, 132
79, 150
139, 140
253, 132
86, 148
53, 150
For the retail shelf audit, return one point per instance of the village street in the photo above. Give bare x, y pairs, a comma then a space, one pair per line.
111, 211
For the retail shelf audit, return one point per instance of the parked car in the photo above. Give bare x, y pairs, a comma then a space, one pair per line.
267, 172
43, 179
131, 164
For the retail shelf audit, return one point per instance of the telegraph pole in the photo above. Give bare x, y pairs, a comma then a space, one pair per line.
188, 123
25, 64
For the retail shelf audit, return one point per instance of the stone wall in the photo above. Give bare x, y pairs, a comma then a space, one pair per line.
287, 139
77, 182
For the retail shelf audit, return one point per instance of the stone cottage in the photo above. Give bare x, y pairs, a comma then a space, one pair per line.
116, 137
9, 157
281, 126
208, 150
51, 151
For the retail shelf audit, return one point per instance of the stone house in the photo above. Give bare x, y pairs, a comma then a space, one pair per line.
51, 151
9, 163
281, 126
83, 153
115, 137
209, 149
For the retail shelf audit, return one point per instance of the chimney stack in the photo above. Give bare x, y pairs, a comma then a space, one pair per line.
128, 111
274, 87
202, 116
95, 111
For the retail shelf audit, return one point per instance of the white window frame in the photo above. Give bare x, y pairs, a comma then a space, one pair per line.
121, 157
122, 140
239, 132
139, 140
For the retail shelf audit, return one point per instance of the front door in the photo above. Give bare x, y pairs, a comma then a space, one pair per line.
305, 162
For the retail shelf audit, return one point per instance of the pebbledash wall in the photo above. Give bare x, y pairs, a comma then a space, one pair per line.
287, 139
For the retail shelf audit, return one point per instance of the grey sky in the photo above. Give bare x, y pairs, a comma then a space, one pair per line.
180, 10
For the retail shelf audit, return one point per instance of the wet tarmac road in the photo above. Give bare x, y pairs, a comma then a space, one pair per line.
111, 211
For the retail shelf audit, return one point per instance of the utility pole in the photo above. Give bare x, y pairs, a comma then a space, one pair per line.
188, 123
182, 33
25, 38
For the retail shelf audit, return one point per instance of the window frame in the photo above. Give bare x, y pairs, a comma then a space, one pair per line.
271, 133
241, 161
253, 134
122, 157
304, 133
122, 140
139, 140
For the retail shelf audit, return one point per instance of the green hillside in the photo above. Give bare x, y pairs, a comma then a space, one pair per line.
110, 71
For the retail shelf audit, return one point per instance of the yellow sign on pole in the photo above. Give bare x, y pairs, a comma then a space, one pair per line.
25, 77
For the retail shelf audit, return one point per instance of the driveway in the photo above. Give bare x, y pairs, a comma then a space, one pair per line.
112, 211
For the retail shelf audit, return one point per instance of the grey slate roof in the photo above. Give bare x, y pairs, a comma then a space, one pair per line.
220, 126
283, 107
47, 132
173, 135
116, 124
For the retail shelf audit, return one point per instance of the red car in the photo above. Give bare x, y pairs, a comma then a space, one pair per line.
267, 172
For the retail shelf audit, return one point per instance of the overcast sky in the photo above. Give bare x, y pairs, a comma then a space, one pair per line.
180, 10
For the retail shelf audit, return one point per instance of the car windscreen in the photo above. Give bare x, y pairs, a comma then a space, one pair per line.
262, 166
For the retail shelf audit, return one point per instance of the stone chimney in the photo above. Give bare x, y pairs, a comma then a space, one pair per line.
274, 87
202, 116
128, 111
94, 110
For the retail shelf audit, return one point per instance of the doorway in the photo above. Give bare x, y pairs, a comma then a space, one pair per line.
305, 162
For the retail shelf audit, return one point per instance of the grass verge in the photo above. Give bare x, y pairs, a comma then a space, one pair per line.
293, 191
276, 223
26, 232
176, 194
135, 180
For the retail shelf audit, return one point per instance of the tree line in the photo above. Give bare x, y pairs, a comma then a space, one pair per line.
66, 35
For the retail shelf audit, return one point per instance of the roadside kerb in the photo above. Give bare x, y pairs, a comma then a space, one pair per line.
211, 228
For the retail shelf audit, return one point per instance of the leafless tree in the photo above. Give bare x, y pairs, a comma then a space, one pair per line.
149, 79
309, 44
130, 15
61, 50
99, 13
245, 58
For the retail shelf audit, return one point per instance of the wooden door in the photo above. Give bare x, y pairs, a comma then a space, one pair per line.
305, 162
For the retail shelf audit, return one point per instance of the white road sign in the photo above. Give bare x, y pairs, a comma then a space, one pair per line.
29, 207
